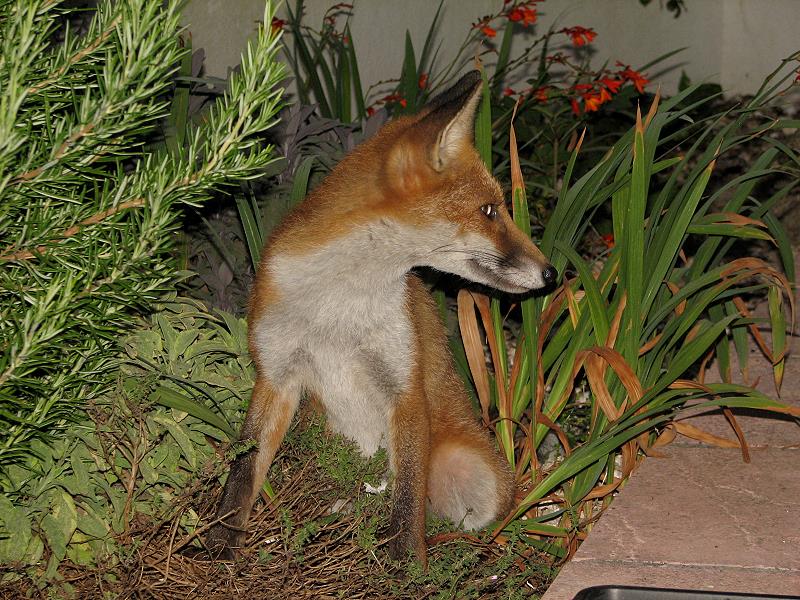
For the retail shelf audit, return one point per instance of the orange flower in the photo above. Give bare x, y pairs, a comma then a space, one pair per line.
580, 35
527, 15
591, 102
612, 85
576, 109
637, 79
508, 92
593, 95
488, 31
394, 98
541, 94
530, 16
608, 239
423, 81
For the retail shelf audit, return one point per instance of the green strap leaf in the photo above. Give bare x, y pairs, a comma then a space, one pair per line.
172, 399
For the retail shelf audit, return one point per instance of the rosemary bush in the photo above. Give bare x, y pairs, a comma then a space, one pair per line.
88, 203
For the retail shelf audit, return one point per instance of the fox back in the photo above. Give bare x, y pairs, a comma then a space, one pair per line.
337, 314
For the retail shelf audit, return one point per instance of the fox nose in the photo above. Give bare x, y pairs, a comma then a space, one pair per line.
549, 274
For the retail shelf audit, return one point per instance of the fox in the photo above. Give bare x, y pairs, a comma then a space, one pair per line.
339, 313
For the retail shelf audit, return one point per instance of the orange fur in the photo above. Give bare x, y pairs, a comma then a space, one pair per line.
335, 313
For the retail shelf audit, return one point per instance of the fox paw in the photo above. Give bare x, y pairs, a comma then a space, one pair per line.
401, 545
222, 543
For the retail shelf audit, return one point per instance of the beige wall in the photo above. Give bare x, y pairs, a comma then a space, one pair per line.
756, 35
222, 28
732, 42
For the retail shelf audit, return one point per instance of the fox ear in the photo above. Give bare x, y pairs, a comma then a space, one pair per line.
438, 135
452, 115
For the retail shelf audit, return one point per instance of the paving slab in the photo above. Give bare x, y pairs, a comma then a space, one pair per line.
700, 518
705, 506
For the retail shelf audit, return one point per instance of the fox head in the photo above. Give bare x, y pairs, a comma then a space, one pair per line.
437, 180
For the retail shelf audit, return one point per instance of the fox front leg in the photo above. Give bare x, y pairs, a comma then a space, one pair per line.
267, 420
409, 456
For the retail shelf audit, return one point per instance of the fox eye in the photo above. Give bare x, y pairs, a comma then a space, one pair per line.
490, 210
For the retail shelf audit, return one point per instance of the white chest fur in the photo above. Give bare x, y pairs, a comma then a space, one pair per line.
341, 330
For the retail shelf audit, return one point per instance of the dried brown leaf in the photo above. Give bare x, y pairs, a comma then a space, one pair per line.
473, 348
698, 434
739, 433
653, 108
